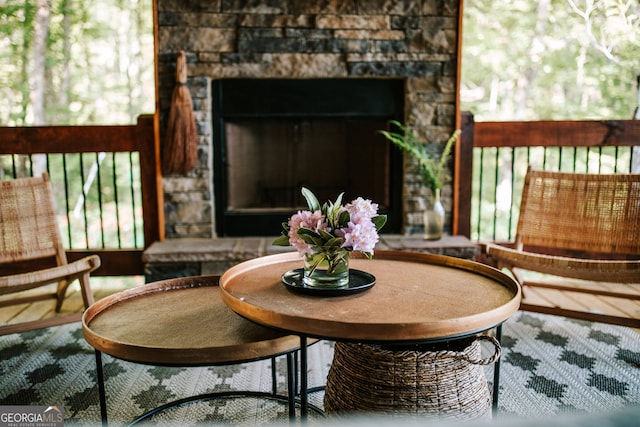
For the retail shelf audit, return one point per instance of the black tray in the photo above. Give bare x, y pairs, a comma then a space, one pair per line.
358, 281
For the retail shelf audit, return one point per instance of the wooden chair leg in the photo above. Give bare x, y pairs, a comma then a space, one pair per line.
85, 290
61, 292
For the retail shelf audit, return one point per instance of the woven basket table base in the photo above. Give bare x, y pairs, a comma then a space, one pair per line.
442, 384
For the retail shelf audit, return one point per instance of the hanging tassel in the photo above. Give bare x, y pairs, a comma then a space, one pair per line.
181, 144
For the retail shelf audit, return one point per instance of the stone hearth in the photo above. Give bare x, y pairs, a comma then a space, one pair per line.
199, 256
413, 40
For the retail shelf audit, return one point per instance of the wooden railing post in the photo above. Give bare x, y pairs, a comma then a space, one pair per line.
151, 179
463, 176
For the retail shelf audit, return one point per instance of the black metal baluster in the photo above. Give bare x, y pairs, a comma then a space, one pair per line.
84, 202
115, 198
133, 201
99, 191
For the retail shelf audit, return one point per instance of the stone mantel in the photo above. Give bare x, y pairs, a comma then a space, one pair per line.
198, 256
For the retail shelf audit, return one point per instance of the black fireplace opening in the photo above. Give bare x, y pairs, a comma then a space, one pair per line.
271, 137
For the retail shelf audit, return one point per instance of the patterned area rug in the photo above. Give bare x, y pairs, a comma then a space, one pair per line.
550, 366
553, 365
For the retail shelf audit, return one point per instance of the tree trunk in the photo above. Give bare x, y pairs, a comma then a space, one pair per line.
38, 75
38, 82
65, 86
528, 76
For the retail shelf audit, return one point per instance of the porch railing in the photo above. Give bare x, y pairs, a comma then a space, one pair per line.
107, 185
493, 159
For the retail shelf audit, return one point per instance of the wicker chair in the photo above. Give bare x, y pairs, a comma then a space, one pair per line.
584, 231
32, 255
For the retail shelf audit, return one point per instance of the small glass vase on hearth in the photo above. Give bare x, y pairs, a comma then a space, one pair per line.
326, 268
433, 217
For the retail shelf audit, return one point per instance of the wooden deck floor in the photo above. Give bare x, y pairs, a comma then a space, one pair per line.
585, 302
38, 310
104, 286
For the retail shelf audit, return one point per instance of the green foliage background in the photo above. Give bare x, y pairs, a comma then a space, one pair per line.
98, 70
99, 62
521, 60
550, 59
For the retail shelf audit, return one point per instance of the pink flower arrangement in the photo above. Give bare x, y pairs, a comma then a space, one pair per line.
330, 227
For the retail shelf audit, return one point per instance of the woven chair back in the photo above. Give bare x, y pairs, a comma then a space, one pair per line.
581, 212
28, 227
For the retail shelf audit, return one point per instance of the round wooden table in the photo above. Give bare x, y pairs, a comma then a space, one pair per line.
182, 322
417, 298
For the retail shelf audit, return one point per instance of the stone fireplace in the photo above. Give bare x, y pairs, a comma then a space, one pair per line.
279, 135
411, 44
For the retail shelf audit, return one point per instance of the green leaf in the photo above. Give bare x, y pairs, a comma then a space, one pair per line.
325, 235
379, 221
344, 219
335, 241
282, 240
304, 232
309, 236
312, 201
285, 227
433, 169
393, 137
311, 240
338, 203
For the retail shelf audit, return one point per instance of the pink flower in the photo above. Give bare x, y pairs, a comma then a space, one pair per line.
360, 233
305, 219
361, 210
361, 236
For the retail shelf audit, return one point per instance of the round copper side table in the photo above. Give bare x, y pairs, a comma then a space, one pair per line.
183, 322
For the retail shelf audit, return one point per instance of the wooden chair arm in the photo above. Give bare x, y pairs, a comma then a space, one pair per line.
69, 272
620, 271
484, 257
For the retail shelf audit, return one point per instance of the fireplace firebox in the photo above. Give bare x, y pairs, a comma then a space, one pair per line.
274, 136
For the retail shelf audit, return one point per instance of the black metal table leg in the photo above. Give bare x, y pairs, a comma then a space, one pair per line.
496, 374
274, 378
304, 403
101, 392
291, 387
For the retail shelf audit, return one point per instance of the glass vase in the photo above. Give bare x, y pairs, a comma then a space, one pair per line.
433, 217
326, 268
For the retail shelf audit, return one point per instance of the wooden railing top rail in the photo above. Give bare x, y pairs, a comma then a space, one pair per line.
589, 133
56, 139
